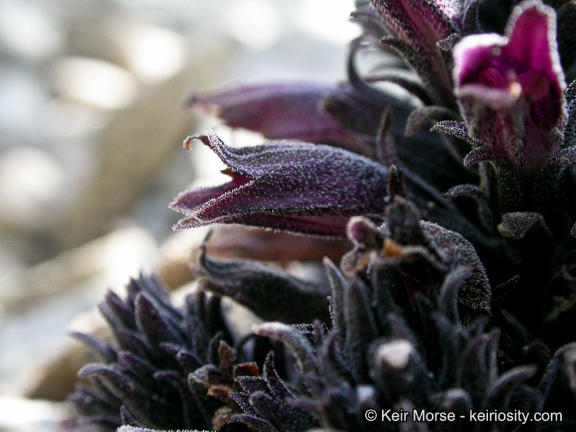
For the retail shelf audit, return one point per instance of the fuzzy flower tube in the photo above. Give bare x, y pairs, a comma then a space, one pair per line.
454, 308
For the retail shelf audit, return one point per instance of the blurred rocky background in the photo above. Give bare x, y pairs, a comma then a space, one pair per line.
91, 131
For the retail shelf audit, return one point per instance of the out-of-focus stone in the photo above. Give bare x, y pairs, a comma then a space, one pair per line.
38, 310
24, 415
113, 257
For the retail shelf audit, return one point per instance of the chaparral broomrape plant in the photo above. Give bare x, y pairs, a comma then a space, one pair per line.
458, 292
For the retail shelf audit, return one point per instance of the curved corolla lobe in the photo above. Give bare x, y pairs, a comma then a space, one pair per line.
292, 186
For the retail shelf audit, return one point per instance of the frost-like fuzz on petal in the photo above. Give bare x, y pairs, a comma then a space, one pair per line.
293, 186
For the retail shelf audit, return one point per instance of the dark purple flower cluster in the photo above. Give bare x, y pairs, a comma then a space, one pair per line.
458, 293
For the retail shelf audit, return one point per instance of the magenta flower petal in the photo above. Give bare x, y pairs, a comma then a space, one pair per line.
288, 110
511, 89
298, 187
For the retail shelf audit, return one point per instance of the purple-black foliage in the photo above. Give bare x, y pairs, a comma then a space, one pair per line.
458, 292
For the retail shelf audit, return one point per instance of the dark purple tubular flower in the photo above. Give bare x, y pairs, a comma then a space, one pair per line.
282, 111
293, 186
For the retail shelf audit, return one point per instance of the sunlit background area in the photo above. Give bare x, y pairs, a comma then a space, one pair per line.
91, 128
